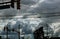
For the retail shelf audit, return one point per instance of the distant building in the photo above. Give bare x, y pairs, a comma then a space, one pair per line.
27, 36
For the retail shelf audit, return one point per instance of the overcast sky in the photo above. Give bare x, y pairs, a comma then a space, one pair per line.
35, 6
39, 8
44, 6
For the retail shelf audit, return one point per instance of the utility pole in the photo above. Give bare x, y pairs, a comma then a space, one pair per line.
6, 29
12, 3
7, 32
18, 4
47, 31
19, 31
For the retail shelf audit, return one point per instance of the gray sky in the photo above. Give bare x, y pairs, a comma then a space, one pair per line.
44, 8
36, 6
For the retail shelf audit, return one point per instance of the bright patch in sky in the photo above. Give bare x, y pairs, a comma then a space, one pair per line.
55, 26
13, 22
37, 4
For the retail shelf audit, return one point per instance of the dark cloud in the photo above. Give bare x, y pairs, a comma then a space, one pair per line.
29, 2
8, 13
46, 7
42, 6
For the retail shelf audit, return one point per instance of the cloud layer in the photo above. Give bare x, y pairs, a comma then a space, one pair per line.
44, 6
